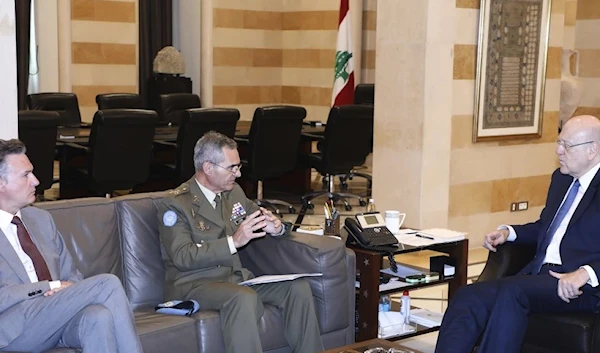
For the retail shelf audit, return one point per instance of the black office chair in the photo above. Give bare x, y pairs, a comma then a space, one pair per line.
119, 151
37, 130
193, 125
173, 105
119, 101
65, 104
345, 144
272, 148
364, 93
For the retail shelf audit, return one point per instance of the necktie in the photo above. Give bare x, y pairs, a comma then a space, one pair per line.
560, 215
41, 269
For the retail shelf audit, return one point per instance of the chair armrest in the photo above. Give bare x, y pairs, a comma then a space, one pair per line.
508, 260
313, 136
77, 146
165, 143
306, 253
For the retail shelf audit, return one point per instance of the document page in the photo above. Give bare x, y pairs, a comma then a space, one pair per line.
277, 278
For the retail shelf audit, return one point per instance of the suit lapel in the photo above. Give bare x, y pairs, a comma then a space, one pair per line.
202, 206
36, 231
589, 195
11, 257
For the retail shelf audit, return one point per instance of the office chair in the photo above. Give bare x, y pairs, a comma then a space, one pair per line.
37, 130
364, 93
194, 124
172, 106
345, 144
119, 101
65, 104
272, 148
119, 151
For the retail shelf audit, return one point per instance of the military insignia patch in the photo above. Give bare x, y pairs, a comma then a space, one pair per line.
169, 218
238, 213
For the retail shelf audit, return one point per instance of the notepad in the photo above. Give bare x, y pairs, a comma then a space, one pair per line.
277, 278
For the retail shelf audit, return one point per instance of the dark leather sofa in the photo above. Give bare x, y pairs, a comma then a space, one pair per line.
546, 333
120, 236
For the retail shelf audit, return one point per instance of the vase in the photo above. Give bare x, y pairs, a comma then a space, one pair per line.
570, 87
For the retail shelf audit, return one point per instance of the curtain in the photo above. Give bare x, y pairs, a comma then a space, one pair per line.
23, 29
156, 32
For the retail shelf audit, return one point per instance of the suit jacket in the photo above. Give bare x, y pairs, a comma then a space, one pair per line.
15, 286
581, 242
194, 249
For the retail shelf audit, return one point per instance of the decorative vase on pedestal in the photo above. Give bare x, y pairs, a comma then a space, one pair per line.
570, 87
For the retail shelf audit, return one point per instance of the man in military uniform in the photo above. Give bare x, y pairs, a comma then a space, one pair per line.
202, 225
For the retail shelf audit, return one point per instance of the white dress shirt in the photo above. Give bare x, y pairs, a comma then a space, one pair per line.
10, 231
553, 250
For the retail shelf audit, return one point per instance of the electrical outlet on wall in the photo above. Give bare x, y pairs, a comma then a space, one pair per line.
519, 206
513, 206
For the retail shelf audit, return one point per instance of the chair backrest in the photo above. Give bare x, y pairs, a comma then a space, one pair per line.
37, 130
172, 106
65, 104
273, 141
364, 93
119, 101
194, 124
121, 148
347, 140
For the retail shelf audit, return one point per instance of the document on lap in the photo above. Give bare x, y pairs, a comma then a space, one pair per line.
277, 278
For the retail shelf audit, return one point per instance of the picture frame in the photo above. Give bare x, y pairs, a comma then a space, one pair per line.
511, 69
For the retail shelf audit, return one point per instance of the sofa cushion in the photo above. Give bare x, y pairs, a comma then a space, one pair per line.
166, 333
208, 324
90, 230
143, 269
567, 332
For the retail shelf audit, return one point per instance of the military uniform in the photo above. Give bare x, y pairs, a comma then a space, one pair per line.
199, 265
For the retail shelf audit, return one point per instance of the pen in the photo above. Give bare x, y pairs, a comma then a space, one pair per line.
424, 236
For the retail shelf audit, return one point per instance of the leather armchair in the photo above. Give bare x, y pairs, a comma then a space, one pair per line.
119, 101
546, 333
65, 104
173, 106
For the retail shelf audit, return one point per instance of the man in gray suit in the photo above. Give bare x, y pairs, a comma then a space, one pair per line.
44, 300
202, 225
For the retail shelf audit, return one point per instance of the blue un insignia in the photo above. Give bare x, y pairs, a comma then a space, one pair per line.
169, 218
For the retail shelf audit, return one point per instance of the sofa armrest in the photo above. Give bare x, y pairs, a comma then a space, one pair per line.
305, 253
508, 260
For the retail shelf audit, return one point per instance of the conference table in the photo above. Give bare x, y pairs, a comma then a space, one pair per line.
296, 182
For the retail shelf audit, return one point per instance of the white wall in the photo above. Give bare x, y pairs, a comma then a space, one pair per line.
186, 38
8, 71
46, 21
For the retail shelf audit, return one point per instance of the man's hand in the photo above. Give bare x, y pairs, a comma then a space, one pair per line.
273, 222
569, 284
495, 238
245, 232
63, 285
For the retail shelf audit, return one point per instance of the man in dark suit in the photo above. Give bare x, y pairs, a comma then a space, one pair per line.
44, 300
563, 276
202, 226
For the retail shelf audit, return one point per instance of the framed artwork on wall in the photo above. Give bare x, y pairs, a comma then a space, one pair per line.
511, 68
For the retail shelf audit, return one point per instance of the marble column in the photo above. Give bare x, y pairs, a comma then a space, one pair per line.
8, 71
413, 109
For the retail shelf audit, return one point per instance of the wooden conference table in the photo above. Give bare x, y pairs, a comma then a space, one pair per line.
297, 182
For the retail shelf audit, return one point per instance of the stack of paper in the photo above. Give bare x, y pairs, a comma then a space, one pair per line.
277, 278
441, 234
391, 323
426, 318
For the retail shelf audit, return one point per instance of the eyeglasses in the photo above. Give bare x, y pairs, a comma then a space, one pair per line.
233, 169
567, 146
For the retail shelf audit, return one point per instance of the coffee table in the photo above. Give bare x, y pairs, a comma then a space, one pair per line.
360, 347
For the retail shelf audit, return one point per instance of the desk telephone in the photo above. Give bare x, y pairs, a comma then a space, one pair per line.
369, 230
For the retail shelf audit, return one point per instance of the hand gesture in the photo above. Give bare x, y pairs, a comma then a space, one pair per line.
273, 222
63, 285
245, 232
495, 238
569, 284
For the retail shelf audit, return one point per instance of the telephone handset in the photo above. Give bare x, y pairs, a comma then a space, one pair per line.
369, 230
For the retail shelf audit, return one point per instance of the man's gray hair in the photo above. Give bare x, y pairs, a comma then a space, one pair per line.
7, 148
209, 148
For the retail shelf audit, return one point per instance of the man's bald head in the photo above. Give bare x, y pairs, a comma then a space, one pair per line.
578, 146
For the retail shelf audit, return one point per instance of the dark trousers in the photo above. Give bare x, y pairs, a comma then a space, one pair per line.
497, 311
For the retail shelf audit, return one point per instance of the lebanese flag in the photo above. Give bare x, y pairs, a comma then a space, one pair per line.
343, 81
